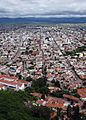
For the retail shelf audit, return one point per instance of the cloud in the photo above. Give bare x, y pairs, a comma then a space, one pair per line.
34, 8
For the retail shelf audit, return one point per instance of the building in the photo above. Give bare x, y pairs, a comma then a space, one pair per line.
13, 83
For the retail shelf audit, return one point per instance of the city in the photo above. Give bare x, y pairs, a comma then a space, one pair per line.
48, 61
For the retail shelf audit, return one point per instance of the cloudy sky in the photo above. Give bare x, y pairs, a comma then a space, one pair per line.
42, 8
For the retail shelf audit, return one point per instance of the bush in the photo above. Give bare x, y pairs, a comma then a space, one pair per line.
12, 107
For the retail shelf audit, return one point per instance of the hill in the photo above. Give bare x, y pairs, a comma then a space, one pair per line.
34, 20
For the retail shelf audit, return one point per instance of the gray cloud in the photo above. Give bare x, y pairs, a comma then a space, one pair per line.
46, 8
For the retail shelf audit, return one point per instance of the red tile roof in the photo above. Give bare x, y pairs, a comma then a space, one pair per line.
53, 115
22, 81
36, 94
82, 92
5, 76
40, 101
1, 85
71, 97
10, 82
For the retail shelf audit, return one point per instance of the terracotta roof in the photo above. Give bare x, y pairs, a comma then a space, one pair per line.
36, 94
84, 113
82, 92
53, 115
40, 101
22, 81
56, 105
10, 82
1, 85
71, 97
5, 76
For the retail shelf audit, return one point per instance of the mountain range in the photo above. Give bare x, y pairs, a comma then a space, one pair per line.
50, 20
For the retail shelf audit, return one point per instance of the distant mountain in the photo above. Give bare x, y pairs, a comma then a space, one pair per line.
34, 20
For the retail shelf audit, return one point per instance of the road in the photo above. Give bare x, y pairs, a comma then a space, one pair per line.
17, 54
69, 65
43, 60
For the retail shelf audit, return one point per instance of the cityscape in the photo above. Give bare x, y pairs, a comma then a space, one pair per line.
42, 60
48, 60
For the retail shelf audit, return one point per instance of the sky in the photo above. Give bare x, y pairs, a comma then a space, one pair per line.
42, 8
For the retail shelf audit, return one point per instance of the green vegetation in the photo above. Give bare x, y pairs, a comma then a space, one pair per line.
31, 67
19, 76
84, 105
12, 106
40, 112
69, 111
40, 85
56, 83
29, 79
84, 83
27, 52
44, 69
77, 95
74, 113
75, 71
60, 114
78, 50
60, 93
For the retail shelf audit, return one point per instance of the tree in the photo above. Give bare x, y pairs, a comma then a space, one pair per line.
77, 95
38, 84
57, 83
40, 112
19, 76
29, 79
30, 51
27, 48
69, 111
84, 105
44, 69
43, 96
60, 114
59, 93
44, 90
26, 52
84, 83
12, 107
76, 114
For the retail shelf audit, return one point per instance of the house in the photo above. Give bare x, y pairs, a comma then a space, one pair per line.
26, 83
13, 82
53, 115
38, 95
2, 87
71, 98
82, 93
